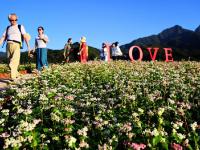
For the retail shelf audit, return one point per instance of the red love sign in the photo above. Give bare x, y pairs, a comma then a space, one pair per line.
152, 52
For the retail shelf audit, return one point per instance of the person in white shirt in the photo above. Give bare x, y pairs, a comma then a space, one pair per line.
104, 52
13, 35
41, 49
116, 51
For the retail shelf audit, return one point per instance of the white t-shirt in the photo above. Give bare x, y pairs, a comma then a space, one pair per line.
116, 51
14, 33
40, 43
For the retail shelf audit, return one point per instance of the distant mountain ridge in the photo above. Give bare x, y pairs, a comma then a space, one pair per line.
197, 30
2, 54
185, 43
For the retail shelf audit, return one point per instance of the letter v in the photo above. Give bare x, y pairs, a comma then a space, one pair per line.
153, 57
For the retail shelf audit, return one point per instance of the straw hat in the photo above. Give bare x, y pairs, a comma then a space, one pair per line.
83, 39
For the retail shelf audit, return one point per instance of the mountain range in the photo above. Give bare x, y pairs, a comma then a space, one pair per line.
184, 43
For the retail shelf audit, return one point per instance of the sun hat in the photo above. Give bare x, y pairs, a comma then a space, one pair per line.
83, 39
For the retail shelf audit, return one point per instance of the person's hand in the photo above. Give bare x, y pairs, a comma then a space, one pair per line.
79, 53
31, 53
28, 47
41, 37
1, 41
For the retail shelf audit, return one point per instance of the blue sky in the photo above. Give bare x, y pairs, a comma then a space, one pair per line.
99, 20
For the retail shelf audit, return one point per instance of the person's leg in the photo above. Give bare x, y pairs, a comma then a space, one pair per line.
84, 56
106, 57
13, 51
114, 57
67, 57
44, 57
38, 59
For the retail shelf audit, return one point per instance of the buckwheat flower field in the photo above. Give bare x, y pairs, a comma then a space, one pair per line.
105, 106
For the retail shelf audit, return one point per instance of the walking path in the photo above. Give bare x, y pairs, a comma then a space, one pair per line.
5, 82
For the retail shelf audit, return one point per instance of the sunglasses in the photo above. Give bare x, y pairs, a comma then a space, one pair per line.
39, 29
12, 20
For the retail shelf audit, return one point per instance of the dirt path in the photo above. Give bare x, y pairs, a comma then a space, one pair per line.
5, 83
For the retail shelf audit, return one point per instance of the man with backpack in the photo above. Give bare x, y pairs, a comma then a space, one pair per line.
14, 36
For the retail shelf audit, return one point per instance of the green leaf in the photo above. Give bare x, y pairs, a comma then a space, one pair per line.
45, 130
165, 146
35, 143
156, 140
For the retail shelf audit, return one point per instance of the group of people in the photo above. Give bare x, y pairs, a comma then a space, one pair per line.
15, 34
83, 50
115, 51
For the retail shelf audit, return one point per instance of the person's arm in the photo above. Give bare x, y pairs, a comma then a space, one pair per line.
35, 46
86, 50
81, 47
2, 39
120, 51
65, 49
44, 38
26, 39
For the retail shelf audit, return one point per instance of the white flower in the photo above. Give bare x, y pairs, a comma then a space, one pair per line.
155, 132
171, 101
83, 132
27, 111
1, 99
194, 126
175, 126
55, 117
72, 141
36, 121
20, 110
5, 112
174, 131
160, 111
150, 113
4, 135
141, 110
84, 144
180, 136
2, 121
43, 136
135, 115
180, 123
30, 138
85, 129
56, 138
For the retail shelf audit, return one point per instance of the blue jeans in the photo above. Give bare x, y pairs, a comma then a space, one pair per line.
41, 58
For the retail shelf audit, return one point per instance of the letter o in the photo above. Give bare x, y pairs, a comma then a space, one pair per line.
131, 53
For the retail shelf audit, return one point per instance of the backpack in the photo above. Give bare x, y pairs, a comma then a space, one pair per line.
22, 38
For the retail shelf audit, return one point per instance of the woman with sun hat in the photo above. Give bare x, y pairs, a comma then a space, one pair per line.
83, 50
